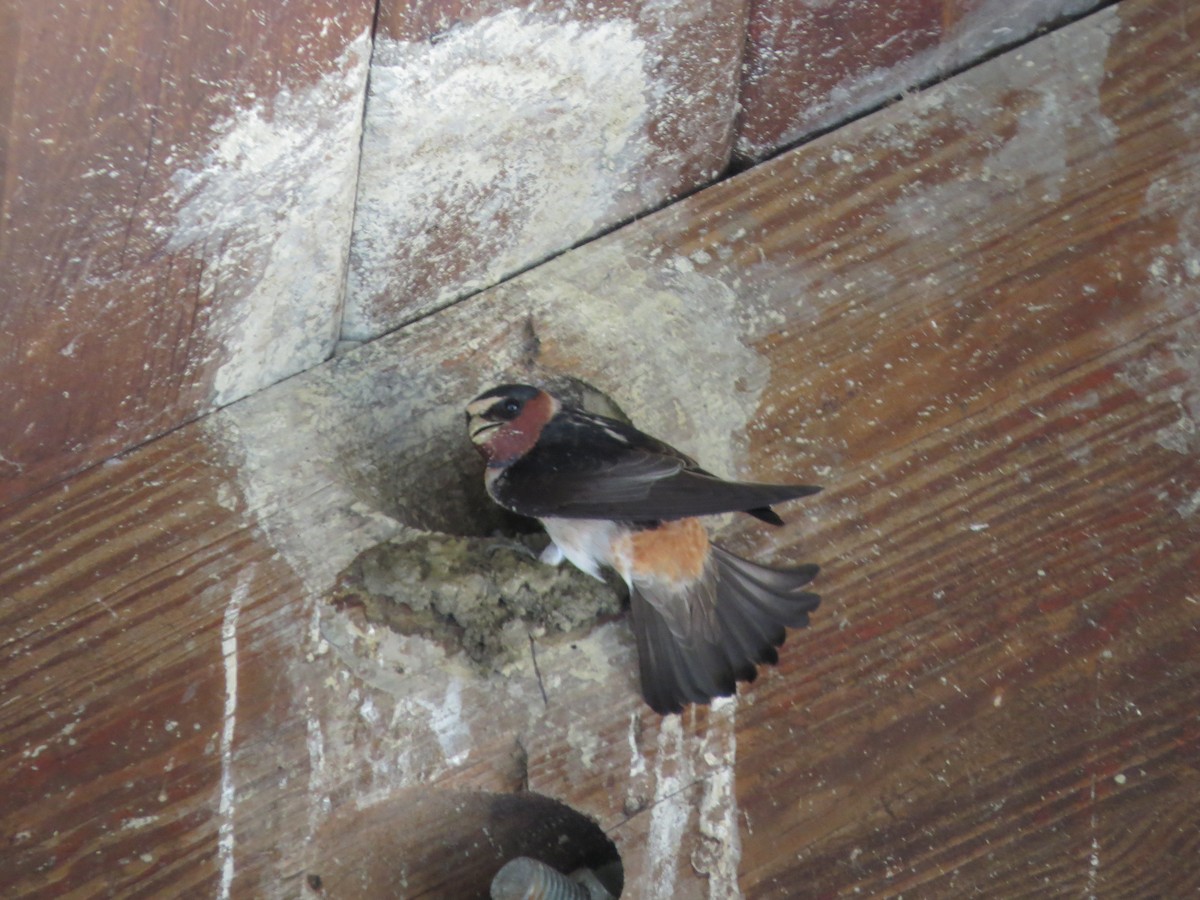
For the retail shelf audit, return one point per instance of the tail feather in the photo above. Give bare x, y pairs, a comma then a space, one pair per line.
748, 647
672, 675
774, 593
753, 607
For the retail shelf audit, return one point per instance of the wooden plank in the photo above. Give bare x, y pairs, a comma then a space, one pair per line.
176, 196
810, 66
500, 133
978, 331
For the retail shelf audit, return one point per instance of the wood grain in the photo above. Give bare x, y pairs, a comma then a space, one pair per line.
810, 66
973, 317
125, 265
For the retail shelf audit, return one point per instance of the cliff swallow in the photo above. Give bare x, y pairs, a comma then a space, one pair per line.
610, 496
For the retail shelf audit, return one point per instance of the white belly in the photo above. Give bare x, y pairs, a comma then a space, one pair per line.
587, 544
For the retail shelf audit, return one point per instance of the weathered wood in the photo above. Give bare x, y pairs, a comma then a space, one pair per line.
973, 316
810, 66
176, 197
191, 249
499, 133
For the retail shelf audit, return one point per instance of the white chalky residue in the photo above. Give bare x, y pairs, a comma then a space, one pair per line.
317, 773
681, 760
589, 660
1064, 101
138, 822
1173, 282
449, 724
718, 803
585, 741
984, 27
671, 809
637, 762
283, 443
226, 805
1067, 103
1189, 506
270, 208
647, 323
281, 451
369, 711
449, 142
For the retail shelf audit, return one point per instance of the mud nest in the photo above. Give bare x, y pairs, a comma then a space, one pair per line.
484, 595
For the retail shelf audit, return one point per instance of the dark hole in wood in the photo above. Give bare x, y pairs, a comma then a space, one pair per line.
430, 843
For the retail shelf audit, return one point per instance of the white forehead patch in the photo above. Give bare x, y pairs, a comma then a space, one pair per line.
479, 407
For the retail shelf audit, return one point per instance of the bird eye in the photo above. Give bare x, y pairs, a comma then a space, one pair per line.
511, 407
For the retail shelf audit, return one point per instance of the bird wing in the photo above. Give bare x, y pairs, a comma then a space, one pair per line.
695, 643
628, 484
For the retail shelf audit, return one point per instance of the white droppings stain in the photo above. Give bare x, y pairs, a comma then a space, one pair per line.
138, 822
1173, 284
1158, 270
585, 741
986, 26
283, 443
1178, 437
1093, 876
314, 739
622, 319
589, 660
227, 497
680, 762
282, 449
270, 209
369, 711
637, 762
449, 725
1189, 506
446, 146
1089, 400
1052, 111
721, 849
226, 807
672, 806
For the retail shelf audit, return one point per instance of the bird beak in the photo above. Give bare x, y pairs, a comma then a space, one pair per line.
477, 430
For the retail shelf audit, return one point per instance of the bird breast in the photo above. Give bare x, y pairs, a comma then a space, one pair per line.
587, 543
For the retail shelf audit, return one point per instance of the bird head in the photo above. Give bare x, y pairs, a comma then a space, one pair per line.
505, 422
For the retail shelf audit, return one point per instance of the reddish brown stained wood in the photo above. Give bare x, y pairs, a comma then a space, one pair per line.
128, 252
979, 333
811, 65
1028, 599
